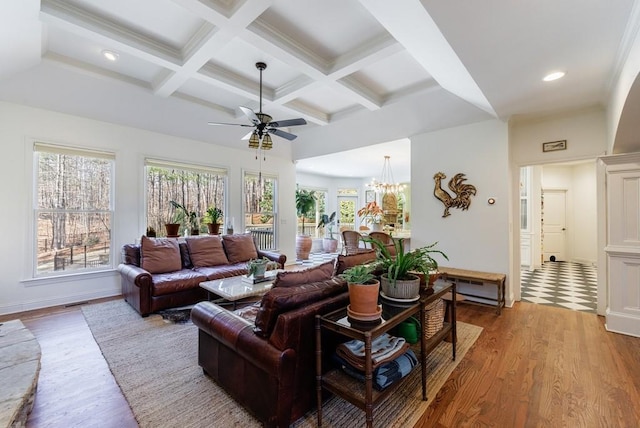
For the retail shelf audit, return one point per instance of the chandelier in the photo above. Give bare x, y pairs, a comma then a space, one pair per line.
386, 184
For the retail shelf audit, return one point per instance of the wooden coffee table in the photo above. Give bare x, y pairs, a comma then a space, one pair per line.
234, 288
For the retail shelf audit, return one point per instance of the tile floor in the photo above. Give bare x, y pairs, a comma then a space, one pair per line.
568, 285
565, 284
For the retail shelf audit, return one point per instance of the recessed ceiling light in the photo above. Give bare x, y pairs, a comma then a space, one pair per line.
110, 55
554, 76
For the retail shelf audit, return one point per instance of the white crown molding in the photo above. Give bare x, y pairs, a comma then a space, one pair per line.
93, 70
83, 23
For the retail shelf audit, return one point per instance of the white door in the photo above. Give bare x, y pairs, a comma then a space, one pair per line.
554, 225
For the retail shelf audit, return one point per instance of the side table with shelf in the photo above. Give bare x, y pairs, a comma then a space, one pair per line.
363, 395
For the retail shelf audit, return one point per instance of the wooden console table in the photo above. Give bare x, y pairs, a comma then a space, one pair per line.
476, 280
353, 390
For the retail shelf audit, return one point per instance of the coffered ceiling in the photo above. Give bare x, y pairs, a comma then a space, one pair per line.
360, 72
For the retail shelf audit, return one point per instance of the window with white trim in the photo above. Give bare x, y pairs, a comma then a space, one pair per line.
259, 207
73, 209
195, 187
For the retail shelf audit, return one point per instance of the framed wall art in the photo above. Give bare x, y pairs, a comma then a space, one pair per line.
552, 146
369, 196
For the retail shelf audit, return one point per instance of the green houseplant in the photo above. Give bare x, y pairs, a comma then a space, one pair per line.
329, 244
398, 279
363, 292
188, 218
258, 267
305, 204
213, 219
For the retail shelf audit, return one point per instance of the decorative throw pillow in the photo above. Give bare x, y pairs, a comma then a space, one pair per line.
206, 251
318, 273
160, 255
345, 262
283, 299
239, 247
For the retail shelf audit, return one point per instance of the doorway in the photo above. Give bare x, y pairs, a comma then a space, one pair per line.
559, 223
554, 218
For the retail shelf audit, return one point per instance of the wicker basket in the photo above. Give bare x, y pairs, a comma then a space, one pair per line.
433, 318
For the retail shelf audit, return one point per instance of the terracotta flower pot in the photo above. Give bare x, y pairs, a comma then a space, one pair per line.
363, 298
172, 229
303, 247
330, 245
214, 228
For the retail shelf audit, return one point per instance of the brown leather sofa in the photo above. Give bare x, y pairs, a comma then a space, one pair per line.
268, 365
166, 272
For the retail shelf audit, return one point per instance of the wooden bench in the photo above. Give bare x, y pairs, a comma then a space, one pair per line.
472, 285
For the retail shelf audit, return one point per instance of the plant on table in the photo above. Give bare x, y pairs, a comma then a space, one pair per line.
258, 267
371, 213
363, 291
398, 269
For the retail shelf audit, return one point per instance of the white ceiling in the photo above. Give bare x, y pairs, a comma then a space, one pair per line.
360, 72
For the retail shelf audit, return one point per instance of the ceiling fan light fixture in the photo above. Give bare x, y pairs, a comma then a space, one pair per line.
264, 118
267, 143
254, 141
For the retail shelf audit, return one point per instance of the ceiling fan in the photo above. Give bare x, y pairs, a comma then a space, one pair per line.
260, 137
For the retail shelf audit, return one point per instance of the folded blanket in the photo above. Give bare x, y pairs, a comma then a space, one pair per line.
383, 348
387, 373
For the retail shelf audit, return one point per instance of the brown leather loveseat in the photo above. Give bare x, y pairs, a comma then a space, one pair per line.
268, 364
166, 272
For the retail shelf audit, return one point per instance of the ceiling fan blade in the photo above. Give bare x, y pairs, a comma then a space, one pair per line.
282, 134
288, 122
246, 137
232, 124
251, 115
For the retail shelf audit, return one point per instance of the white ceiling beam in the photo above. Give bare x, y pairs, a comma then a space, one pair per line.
82, 23
270, 40
209, 40
410, 24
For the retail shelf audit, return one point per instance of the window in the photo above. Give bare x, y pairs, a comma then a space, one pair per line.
194, 187
73, 209
525, 190
259, 209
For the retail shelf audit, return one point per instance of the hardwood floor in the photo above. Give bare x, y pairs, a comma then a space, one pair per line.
533, 366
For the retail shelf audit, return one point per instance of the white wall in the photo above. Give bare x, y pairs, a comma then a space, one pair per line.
585, 132
19, 125
581, 207
476, 239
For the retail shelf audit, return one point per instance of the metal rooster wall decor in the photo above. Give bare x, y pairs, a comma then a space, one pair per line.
462, 191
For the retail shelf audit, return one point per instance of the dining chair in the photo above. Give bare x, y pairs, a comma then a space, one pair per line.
383, 237
351, 242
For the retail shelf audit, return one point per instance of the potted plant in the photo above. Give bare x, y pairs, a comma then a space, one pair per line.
188, 218
173, 226
257, 267
329, 244
398, 280
372, 213
363, 293
212, 218
305, 203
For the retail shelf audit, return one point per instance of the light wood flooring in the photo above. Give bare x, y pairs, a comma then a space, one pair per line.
533, 366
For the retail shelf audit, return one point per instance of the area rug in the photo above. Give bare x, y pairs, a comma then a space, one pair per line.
156, 366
